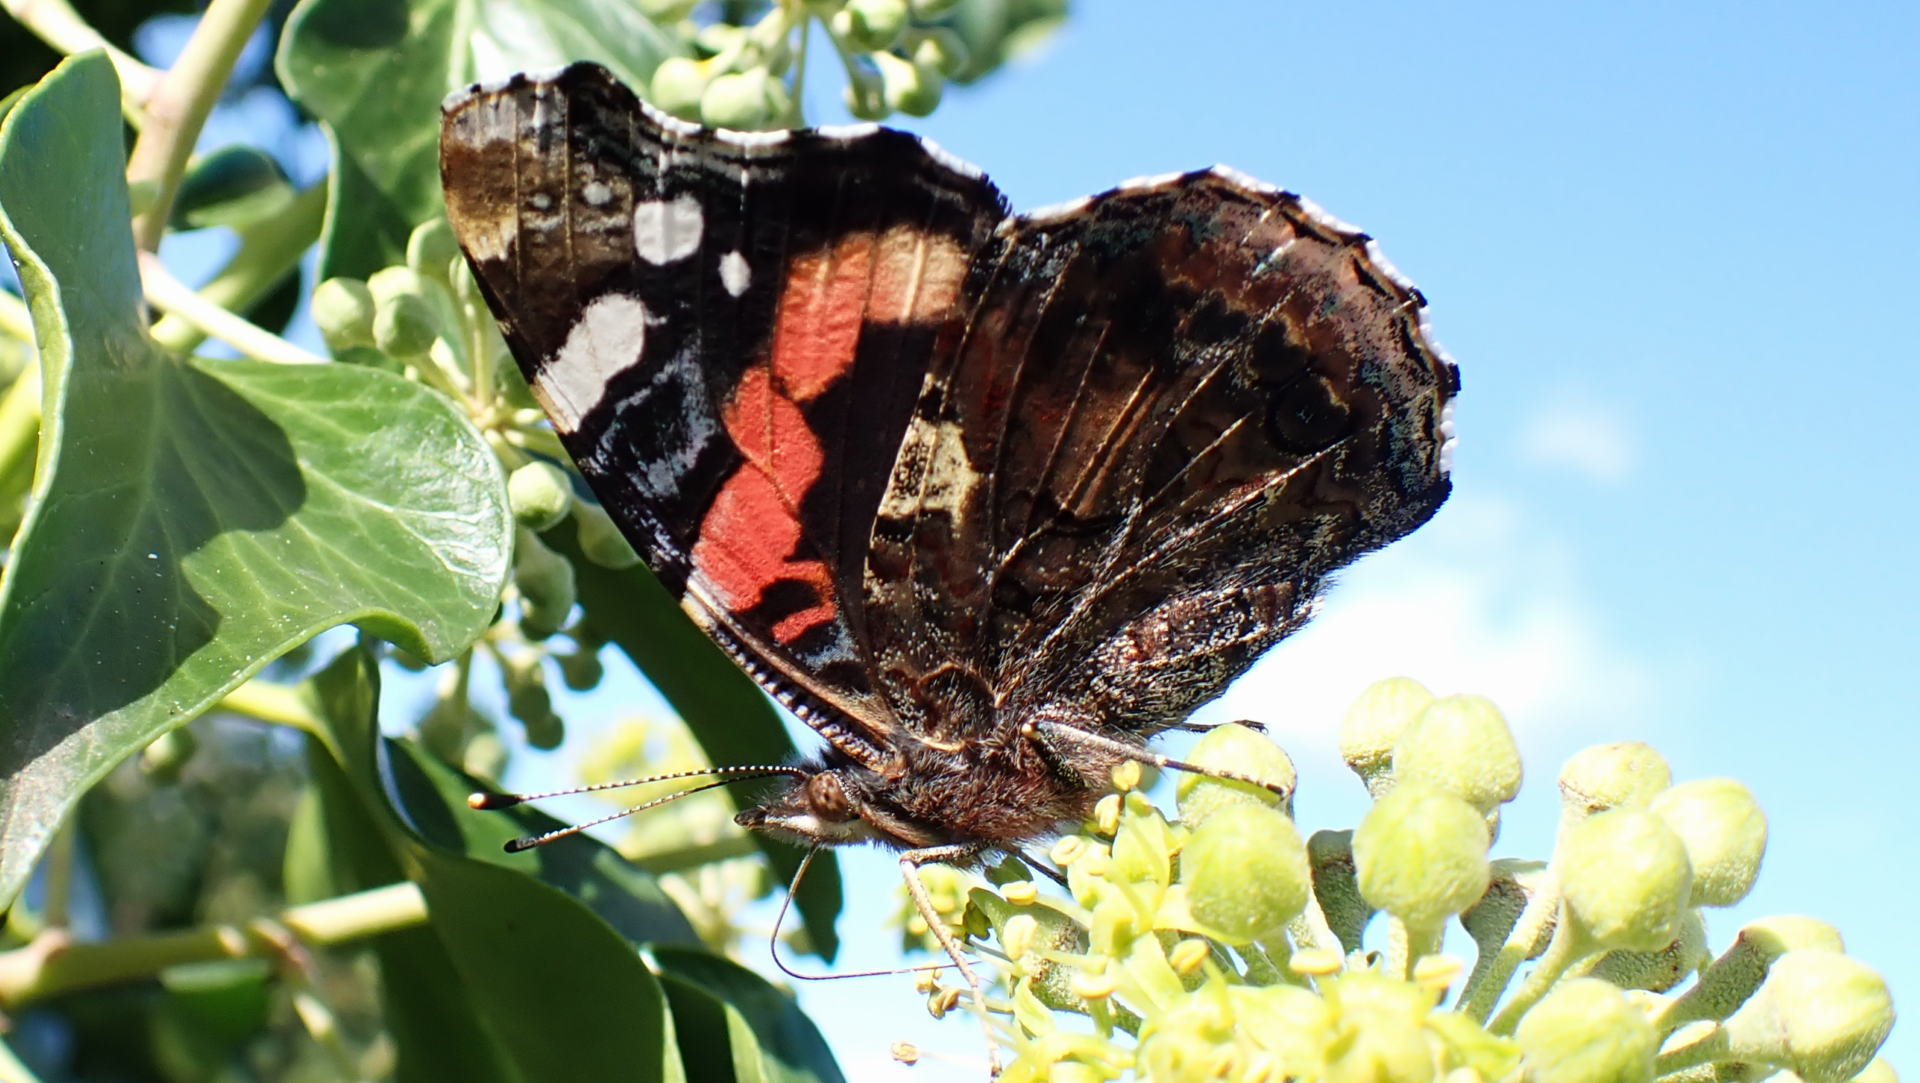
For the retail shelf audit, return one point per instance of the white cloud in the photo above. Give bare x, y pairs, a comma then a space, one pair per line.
1585, 438
1477, 601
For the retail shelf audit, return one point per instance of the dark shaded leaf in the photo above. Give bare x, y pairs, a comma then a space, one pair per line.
192, 520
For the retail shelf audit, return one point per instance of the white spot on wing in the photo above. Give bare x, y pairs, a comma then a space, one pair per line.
1158, 180
1318, 214
1251, 184
596, 193
1448, 441
735, 275
605, 341
664, 231
1054, 212
752, 139
952, 161
846, 131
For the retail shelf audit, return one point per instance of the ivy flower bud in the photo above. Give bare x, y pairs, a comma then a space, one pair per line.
1819, 1014
1586, 1031
865, 95
529, 701
913, 89
431, 248
1462, 745
678, 84
1623, 775
736, 100
1246, 873
1659, 971
938, 47
581, 669
870, 26
343, 309
1625, 877
1374, 724
405, 326
540, 495
1243, 751
1421, 855
601, 541
546, 583
1725, 833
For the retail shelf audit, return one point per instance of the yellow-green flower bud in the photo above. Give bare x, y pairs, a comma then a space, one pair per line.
405, 325
913, 89
1373, 725
1246, 873
581, 669
431, 249
939, 48
343, 309
601, 541
1725, 833
1733, 977
540, 495
529, 701
546, 584
870, 26
392, 281
1462, 745
736, 100
1623, 775
1625, 878
865, 95
1586, 1031
1819, 1014
928, 10
1877, 1071
1235, 748
1659, 971
1420, 854
678, 84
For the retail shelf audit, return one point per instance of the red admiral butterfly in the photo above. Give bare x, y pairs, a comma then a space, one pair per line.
986, 500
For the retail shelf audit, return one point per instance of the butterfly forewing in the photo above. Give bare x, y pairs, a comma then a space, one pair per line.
729, 332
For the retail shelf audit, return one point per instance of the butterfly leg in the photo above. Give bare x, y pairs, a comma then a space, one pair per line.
1048, 731
910, 863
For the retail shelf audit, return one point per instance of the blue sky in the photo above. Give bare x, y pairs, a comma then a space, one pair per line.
1671, 247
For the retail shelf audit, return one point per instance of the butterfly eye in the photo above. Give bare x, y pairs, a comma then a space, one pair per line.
827, 799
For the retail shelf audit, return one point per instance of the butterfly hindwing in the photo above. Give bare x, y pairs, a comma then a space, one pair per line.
729, 332
1177, 408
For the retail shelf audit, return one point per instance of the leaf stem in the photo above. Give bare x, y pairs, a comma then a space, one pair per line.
177, 108
60, 26
54, 963
269, 249
1570, 945
275, 703
1478, 998
172, 295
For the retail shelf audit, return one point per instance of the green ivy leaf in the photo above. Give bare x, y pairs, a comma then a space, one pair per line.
194, 519
376, 70
728, 714
771, 1038
557, 993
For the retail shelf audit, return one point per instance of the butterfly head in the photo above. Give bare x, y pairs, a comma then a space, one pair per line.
834, 803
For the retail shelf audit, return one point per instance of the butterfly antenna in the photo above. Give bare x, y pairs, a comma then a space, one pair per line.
773, 939
508, 800
528, 842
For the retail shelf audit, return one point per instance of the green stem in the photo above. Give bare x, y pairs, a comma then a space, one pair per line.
178, 107
1479, 997
56, 23
54, 964
1570, 945
269, 250
169, 293
278, 704
1708, 1048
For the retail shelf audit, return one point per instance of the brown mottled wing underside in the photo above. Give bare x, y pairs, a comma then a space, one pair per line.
1177, 408
729, 332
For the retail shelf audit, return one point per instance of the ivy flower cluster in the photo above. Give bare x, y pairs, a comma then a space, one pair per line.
1219, 944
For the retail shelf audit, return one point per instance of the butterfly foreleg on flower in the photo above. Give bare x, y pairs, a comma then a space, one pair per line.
961, 854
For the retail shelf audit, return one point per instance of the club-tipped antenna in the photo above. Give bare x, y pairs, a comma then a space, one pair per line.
773, 938
508, 800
